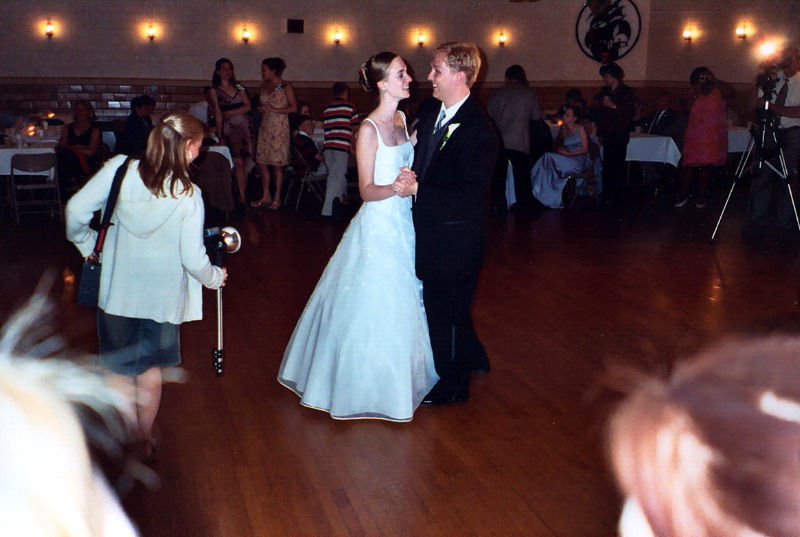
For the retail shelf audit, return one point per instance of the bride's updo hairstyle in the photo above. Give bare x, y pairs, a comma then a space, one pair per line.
374, 70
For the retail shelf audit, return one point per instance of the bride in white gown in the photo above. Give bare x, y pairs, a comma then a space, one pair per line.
361, 347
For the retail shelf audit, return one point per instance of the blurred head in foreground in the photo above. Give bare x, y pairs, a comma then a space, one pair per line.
714, 450
48, 484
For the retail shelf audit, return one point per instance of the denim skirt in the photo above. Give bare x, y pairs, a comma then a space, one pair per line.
132, 346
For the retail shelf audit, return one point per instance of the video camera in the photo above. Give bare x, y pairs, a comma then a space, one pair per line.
767, 79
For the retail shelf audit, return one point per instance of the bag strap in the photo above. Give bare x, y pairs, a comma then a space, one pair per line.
111, 203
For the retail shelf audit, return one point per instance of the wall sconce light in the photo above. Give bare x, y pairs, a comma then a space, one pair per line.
48, 30
337, 37
421, 39
687, 35
501, 39
741, 33
245, 35
151, 32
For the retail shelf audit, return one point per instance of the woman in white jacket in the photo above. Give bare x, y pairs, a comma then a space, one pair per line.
154, 261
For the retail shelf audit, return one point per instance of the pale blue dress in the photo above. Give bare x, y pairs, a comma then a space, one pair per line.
361, 348
552, 170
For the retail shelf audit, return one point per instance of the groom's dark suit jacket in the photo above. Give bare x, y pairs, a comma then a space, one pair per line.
452, 196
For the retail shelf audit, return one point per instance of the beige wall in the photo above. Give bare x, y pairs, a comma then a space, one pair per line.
670, 57
104, 38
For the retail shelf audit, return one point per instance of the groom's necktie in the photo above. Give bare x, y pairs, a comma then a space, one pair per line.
439, 121
431, 148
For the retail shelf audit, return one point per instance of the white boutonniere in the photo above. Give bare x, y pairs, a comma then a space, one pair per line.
450, 130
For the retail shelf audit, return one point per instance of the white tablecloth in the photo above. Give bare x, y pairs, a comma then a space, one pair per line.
7, 152
738, 138
651, 148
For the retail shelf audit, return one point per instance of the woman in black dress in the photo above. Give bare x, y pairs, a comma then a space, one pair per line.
77, 149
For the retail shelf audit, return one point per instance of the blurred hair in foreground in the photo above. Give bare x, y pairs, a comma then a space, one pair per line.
713, 450
48, 484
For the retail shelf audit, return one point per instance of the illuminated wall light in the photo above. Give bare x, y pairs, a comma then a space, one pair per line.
501, 39
151, 32
768, 49
421, 39
337, 37
245, 35
687, 35
741, 33
48, 30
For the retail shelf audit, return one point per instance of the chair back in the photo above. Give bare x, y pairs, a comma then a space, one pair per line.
33, 162
593, 150
299, 161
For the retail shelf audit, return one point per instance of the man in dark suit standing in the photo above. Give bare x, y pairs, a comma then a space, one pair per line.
454, 161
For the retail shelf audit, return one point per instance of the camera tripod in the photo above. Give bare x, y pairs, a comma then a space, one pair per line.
766, 148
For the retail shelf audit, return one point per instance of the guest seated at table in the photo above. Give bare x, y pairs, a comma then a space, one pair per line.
551, 172
79, 143
303, 127
614, 113
573, 97
706, 141
137, 127
660, 121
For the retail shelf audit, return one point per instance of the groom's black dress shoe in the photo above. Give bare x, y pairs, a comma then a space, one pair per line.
447, 393
484, 369
481, 366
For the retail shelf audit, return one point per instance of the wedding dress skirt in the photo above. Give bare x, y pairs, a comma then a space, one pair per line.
361, 348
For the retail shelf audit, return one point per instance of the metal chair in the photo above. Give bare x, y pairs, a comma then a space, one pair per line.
42, 191
588, 181
307, 180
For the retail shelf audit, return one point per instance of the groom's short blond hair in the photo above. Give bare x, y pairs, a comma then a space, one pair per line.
463, 57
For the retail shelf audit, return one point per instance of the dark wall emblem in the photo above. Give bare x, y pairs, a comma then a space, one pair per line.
607, 30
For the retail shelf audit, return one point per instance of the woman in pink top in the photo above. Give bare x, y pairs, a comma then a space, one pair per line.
706, 141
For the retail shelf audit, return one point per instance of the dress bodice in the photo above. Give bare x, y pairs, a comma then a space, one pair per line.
572, 142
277, 97
390, 158
229, 102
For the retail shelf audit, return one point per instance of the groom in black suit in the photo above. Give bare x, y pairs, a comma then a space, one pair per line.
454, 161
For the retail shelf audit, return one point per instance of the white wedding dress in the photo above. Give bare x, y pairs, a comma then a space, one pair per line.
361, 347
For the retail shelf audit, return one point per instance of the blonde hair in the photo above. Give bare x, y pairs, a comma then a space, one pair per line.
463, 57
712, 451
165, 159
50, 486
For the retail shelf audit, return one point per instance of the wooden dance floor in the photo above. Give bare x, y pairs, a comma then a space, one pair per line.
562, 296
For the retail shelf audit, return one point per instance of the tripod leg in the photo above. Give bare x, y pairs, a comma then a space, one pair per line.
745, 157
794, 207
728, 199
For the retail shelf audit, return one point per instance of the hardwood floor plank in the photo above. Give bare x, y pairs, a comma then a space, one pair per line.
561, 296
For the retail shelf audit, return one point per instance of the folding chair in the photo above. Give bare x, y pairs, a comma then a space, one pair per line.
301, 173
28, 177
584, 182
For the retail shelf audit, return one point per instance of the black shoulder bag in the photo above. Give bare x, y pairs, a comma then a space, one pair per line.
89, 286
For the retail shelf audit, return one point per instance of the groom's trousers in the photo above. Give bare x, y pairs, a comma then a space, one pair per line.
456, 347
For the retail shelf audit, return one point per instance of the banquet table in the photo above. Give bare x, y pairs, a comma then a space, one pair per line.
651, 148
7, 152
738, 138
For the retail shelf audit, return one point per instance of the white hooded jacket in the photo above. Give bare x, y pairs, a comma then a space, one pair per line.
154, 260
